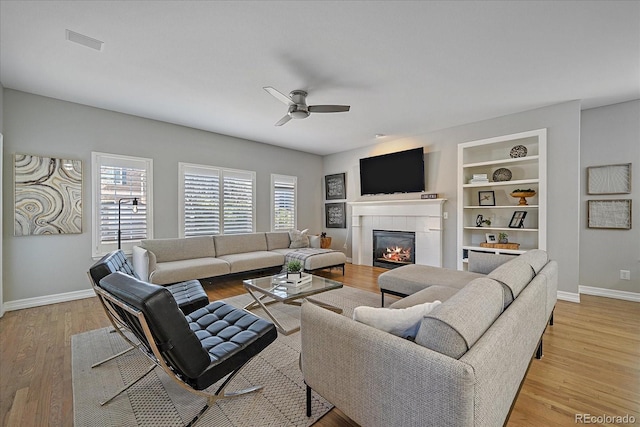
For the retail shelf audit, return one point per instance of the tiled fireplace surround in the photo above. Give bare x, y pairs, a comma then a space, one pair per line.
424, 217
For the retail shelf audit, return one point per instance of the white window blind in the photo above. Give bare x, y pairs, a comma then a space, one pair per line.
216, 201
283, 202
117, 180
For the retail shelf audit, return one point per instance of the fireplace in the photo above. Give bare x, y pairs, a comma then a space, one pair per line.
393, 249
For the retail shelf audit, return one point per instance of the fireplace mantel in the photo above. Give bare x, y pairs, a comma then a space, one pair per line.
424, 217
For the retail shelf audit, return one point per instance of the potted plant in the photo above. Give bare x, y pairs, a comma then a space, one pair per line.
325, 242
294, 269
503, 238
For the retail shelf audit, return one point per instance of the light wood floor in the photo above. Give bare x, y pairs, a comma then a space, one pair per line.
591, 362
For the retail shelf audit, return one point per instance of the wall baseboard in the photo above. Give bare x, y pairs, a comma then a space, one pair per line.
48, 299
569, 296
609, 293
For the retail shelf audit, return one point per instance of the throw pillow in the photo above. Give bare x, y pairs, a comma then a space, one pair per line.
314, 242
298, 239
403, 322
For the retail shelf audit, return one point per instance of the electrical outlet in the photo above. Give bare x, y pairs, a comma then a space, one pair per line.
445, 215
625, 274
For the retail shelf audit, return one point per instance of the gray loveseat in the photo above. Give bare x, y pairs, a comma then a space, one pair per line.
165, 261
465, 368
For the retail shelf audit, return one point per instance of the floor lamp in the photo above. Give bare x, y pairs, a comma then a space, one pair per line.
135, 210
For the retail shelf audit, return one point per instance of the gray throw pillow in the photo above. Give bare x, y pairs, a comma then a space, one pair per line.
298, 239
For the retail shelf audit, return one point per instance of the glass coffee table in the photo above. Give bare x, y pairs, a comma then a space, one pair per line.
268, 290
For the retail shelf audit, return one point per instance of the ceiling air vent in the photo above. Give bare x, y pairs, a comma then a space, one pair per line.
72, 36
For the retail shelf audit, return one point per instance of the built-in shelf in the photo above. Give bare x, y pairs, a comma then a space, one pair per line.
530, 171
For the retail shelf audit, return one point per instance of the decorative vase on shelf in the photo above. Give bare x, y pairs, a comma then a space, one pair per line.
518, 151
502, 174
523, 194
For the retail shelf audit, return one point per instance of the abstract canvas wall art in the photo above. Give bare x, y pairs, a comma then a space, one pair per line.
48, 195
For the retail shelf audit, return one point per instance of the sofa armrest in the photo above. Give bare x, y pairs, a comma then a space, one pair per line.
144, 262
378, 379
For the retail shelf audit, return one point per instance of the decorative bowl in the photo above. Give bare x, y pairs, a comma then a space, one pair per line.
502, 174
523, 196
518, 151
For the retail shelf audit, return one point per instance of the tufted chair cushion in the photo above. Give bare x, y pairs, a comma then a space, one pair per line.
202, 347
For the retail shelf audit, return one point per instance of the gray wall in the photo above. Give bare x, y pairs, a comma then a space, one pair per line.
37, 266
563, 147
611, 135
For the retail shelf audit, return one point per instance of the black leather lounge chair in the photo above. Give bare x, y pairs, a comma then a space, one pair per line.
195, 350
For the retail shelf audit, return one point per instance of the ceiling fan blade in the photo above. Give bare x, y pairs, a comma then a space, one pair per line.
283, 120
328, 108
278, 95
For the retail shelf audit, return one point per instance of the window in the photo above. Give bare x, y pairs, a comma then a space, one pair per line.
116, 181
215, 200
283, 202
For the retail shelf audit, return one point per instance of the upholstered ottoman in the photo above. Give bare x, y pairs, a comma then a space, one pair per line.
409, 279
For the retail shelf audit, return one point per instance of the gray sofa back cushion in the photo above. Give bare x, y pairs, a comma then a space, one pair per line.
485, 263
179, 249
240, 243
277, 240
536, 258
453, 327
515, 274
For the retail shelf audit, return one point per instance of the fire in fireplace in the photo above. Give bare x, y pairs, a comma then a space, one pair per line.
393, 249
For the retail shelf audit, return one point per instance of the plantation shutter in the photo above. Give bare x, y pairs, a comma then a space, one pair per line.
284, 202
238, 201
117, 180
201, 201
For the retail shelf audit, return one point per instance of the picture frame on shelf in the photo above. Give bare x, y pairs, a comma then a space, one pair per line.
517, 220
609, 179
486, 198
491, 238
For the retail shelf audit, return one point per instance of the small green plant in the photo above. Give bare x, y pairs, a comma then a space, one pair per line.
294, 266
503, 237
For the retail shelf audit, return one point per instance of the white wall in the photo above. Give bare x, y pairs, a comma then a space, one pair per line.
563, 146
36, 266
611, 135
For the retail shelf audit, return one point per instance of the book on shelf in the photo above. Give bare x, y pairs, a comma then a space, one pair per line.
479, 181
292, 282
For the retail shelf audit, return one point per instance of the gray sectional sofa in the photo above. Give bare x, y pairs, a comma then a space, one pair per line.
466, 363
166, 261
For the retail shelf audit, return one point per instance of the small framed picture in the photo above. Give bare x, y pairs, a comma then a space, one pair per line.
486, 198
517, 220
491, 238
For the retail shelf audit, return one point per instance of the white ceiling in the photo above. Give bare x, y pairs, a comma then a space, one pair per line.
406, 68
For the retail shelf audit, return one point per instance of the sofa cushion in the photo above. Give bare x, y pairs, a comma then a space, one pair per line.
299, 239
315, 242
178, 249
186, 269
253, 260
430, 294
453, 327
240, 243
486, 262
410, 279
536, 258
515, 274
402, 322
277, 240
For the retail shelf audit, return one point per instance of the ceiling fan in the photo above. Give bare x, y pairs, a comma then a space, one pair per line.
298, 108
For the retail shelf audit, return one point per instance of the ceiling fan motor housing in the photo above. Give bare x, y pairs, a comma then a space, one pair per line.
297, 111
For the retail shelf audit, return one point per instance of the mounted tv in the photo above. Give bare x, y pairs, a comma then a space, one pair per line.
401, 172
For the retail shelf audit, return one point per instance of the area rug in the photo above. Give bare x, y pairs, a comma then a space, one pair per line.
159, 401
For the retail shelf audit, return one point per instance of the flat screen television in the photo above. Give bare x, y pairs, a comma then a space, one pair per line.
400, 172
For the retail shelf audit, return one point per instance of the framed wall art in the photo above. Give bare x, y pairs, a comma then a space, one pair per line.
612, 214
609, 179
336, 215
335, 186
47, 195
